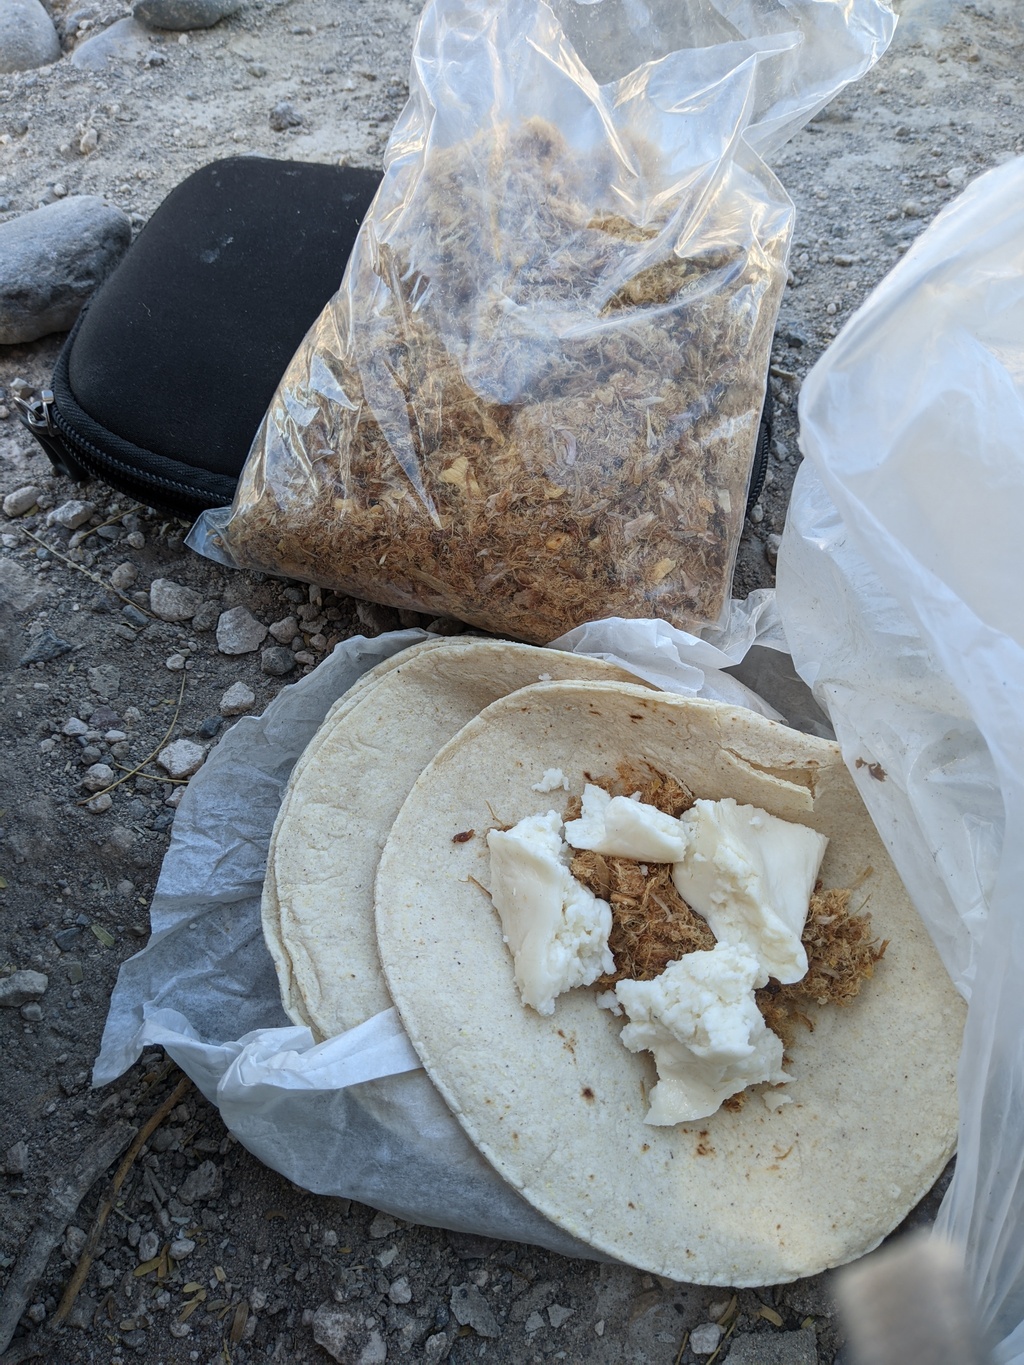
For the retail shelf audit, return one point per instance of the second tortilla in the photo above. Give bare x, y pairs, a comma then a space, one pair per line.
318, 899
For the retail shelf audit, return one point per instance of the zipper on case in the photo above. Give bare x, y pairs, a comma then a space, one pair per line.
83, 461
36, 413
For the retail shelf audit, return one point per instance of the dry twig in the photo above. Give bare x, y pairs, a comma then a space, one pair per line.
93, 577
84, 801
62, 1201
107, 1203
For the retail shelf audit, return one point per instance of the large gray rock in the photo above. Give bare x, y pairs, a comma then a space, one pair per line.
184, 14
51, 261
124, 41
27, 36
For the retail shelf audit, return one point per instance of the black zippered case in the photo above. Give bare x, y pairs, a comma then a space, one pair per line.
162, 383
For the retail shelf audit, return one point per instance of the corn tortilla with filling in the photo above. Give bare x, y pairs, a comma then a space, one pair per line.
348, 787
557, 1104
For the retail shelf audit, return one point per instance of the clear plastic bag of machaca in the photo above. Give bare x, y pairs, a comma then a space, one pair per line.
535, 398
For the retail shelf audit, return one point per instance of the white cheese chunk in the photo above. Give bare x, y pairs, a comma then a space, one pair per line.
626, 827
556, 929
751, 875
701, 1021
552, 780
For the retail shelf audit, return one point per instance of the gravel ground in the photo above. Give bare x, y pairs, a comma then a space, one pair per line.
206, 1255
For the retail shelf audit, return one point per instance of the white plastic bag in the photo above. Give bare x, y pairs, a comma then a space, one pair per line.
901, 590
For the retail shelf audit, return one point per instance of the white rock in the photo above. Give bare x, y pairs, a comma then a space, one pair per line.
175, 662
173, 601
238, 632
559, 1314
99, 804
237, 699
71, 514
98, 776
182, 758
705, 1338
149, 1245
20, 501
75, 727
182, 1247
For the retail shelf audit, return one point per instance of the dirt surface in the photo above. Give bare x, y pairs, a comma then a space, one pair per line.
257, 1256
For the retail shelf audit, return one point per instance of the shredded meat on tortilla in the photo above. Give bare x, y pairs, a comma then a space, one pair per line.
652, 925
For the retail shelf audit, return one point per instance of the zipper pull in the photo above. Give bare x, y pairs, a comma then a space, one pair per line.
36, 413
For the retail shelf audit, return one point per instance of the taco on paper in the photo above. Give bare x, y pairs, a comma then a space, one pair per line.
754, 1194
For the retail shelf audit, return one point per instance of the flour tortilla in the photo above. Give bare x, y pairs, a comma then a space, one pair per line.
557, 1104
349, 786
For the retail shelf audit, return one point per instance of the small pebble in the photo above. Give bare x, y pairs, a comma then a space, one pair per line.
134, 615
123, 576
559, 1314
136, 540
277, 661
771, 547
74, 727
16, 1159
149, 1245
99, 804
182, 1247
704, 1339
237, 699
383, 1225
206, 617
284, 630
399, 1292
22, 988
181, 758
238, 632
284, 116
175, 662
20, 501
37, 1313
173, 601
32, 1013
98, 776
70, 515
